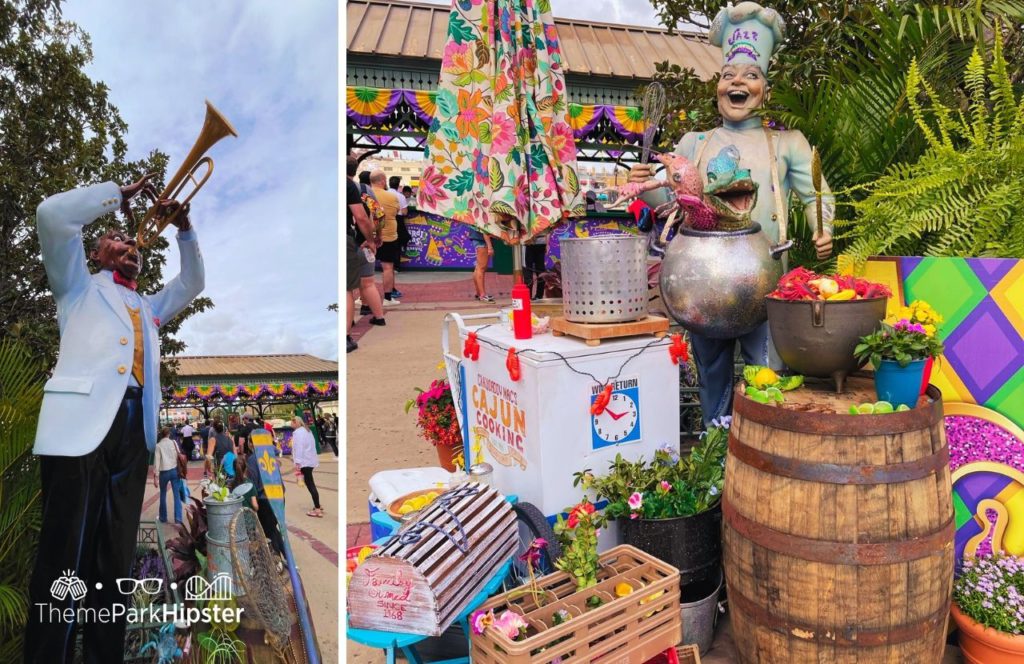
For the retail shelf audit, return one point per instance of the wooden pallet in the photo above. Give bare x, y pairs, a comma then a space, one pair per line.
593, 333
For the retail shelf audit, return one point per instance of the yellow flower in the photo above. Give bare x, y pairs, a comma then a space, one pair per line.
929, 329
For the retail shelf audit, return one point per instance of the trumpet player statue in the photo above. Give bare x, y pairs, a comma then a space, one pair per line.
98, 420
778, 161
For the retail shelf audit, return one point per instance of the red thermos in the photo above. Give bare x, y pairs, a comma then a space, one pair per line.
522, 323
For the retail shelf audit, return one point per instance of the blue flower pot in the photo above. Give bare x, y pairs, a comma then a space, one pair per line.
899, 385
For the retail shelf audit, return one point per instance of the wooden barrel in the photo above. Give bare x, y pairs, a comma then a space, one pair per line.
838, 530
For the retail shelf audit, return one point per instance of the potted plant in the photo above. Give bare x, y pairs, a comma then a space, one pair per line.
671, 506
438, 421
988, 608
920, 312
899, 352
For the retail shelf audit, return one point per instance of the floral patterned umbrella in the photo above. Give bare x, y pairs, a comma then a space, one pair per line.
500, 150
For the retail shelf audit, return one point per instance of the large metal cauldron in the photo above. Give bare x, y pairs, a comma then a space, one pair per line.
817, 337
714, 282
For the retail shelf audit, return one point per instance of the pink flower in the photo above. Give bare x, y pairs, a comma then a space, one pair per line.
665, 486
431, 188
457, 58
503, 133
481, 620
562, 142
636, 501
511, 624
634, 515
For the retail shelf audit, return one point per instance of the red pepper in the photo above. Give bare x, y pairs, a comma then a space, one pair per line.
512, 364
471, 349
601, 401
678, 350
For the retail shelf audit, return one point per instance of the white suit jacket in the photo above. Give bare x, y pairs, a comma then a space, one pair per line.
97, 342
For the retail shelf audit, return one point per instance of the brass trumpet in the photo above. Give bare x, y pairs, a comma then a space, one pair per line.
215, 127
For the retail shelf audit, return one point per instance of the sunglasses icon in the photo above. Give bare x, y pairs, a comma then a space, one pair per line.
130, 586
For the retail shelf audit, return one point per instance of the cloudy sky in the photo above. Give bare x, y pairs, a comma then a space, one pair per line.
268, 218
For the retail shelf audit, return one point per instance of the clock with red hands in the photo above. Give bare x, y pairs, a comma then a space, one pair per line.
619, 421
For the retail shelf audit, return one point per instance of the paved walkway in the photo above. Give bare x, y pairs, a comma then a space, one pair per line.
381, 375
313, 540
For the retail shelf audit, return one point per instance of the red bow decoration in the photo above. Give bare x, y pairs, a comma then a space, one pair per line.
122, 280
601, 400
471, 349
512, 364
678, 350
156, 321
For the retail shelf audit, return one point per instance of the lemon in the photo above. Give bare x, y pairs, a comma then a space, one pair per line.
432, 496
623, 589
406, 508
882, 407
866, 409
902, 408
765, 377
364, 553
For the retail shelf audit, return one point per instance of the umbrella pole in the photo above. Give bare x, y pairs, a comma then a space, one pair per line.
517, 263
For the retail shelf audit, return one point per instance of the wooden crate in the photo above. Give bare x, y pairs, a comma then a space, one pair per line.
423, 577
688, 654
593, 333
624, 630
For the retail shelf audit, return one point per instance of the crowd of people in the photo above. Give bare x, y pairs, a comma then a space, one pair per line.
228, 455
378, 207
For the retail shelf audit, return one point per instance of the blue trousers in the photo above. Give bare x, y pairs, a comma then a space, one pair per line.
170, 477
714, 358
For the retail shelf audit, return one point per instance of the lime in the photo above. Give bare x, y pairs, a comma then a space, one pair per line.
902, 408
854, 411
882, 407
866, 409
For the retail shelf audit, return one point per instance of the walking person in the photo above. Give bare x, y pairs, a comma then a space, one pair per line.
218, 446
394, 182
165, 471
389, 253
359, 264
187, 444
305, 458
484, 253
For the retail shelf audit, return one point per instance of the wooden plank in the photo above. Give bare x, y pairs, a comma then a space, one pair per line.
594, 332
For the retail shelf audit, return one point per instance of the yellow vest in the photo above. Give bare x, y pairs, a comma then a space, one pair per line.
138, 368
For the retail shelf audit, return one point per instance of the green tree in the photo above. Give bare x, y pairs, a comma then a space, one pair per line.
58, 130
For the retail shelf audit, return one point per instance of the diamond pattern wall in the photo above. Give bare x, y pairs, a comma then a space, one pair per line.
982, 301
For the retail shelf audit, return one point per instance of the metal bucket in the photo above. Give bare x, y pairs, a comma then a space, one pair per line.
604, 279
700, 615
218, 516
218, 561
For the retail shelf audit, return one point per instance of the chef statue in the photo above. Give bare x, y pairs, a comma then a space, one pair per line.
98, 421
779, 162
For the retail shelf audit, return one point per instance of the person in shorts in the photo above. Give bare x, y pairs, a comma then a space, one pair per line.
484, 253
390, 251
355, 260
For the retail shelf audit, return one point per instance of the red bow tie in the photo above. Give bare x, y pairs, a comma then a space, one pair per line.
124, 281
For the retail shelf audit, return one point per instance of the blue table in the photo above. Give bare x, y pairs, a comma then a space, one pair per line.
392, 642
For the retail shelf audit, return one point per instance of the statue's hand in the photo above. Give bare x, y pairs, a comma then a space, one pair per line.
823, 245
641, 173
